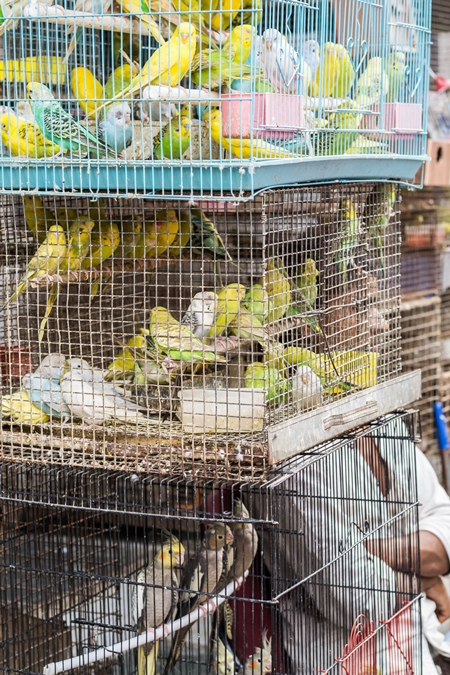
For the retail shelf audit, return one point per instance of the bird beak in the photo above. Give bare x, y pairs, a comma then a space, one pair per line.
180, 559
185, 36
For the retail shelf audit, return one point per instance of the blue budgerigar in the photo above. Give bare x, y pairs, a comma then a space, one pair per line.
61, 128
311, 56
43, 386
115, 130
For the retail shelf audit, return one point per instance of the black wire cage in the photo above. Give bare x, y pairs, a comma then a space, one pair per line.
290, 316
305, 571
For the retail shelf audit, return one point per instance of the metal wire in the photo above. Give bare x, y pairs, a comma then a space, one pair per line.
73, 542
308, 288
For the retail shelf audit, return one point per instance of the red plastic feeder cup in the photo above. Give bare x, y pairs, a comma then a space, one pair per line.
15, 362
267, 116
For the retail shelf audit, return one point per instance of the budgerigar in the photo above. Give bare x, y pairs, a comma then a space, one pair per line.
341, 131
349, 237
92, 400
372, 86
86, 89
257, 302
154, 110
307, 283
227, 11
261, 376
203, 573
38, 219
43, 386
183, 235
261, 661
247, 326
120, 78
105, 240
311, 56
229, 299
91, 6
141, 9
130, 235
168, 64
21, 409
335, 72
378, 212
206, 234
177, 341
278, 287
214, 68
78, 246
25, 139
245, 148
47, 260
396, 72
155, 598
157, 236
173, 141
286, 71
59, 127
307, 389
115, 130
201, 313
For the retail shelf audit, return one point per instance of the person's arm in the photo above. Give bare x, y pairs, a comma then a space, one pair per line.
398, 554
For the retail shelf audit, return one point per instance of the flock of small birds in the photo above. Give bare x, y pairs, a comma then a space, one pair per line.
238, 61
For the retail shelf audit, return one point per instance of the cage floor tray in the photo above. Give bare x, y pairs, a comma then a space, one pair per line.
227, 180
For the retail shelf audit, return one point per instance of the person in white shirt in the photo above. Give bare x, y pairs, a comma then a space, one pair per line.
358, 508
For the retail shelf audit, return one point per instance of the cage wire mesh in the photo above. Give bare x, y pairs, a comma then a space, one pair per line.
286, 304
78, 546
421, 348
181, 99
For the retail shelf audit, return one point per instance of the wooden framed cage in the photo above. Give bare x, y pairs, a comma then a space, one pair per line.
78, 545
293, 337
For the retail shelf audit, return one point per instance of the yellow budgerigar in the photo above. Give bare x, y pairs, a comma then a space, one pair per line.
335, 75
38, 219
245, 148
229, 299
226, 14
47, 260
25, 139
87, 89
167, 65
278, 287
166, 229
22, 409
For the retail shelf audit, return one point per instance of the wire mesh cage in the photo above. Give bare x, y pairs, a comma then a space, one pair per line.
421, 348
80, 549
288, 305
182, 98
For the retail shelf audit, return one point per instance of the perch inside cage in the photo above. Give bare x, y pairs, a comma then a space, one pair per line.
165, 333
127, 96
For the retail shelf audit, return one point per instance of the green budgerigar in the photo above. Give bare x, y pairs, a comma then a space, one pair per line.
396, 72
349, 238
261, 376
61, 128
257, 302
229, 299
372, 86
174, 139
307, 283
378, 212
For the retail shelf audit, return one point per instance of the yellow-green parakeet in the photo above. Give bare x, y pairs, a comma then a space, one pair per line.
229, 299
348, 225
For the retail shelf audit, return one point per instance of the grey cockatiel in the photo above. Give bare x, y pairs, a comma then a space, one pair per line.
203, 574
155, 598
92, 399
245, 543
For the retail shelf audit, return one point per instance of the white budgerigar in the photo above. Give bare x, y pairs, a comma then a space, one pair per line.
92, 400
200, 316
152, 108
286, 71
307, 390
116, 130
311, 56
43, 386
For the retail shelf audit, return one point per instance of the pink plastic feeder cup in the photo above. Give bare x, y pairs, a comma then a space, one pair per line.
274, 115
400, 118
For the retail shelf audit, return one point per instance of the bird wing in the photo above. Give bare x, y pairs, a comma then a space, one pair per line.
60, 124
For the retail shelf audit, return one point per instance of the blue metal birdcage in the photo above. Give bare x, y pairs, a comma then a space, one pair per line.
185, 98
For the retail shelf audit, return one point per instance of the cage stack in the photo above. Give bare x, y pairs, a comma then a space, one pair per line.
200, 274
